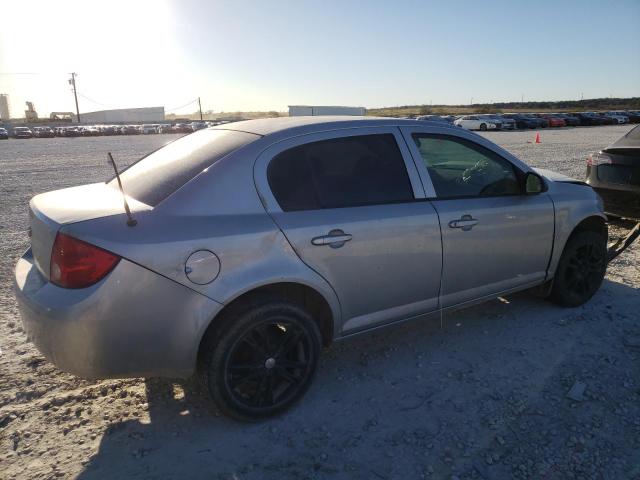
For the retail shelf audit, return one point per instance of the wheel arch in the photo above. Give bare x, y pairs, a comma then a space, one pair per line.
295, 292
592, 223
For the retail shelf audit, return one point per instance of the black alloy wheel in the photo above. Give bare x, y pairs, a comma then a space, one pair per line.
262, 362
581, 269
267, 364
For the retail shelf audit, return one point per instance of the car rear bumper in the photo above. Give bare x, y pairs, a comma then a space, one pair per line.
132, 323
621, 203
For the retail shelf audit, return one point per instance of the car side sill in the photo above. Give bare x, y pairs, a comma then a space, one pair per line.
459, 306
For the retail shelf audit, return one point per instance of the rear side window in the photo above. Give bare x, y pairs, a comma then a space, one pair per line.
340, 172
158, 175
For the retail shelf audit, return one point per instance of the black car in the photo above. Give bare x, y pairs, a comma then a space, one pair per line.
589, 119
614, 173
523, 121
607, 120
569, 120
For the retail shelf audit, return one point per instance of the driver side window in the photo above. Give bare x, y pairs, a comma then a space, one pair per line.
460, 168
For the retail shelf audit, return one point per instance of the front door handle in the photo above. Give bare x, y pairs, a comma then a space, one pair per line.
466, 223
335, 239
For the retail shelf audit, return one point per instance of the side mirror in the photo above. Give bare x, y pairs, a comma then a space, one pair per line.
534, 184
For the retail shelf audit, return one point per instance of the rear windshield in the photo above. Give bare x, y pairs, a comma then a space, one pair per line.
158, 175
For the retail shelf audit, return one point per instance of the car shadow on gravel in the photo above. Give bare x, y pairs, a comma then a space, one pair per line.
485, 396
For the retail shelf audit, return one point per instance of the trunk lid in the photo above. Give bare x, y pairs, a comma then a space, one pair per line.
49, 211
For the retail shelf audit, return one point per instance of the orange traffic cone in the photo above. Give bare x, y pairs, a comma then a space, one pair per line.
538, 138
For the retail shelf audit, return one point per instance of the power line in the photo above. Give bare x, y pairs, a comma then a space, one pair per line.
94, 101
181, 106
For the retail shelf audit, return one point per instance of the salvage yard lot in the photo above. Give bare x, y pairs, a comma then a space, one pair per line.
484, 396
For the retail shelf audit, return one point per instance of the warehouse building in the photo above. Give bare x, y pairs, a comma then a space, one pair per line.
124, 115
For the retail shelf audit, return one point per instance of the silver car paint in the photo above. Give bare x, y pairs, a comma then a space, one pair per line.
222, 211
374, 260
132, 323
487, 259
71, 205
573, 203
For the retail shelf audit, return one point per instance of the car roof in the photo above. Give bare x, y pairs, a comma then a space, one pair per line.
307, 124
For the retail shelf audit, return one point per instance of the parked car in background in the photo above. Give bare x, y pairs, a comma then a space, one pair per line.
147, 129
72, 132
554, 121
43, 132
21, 132
165, 128
507, 123
4, 135
621, 118
569, 120
91, 131
130, 130
589, 119
436, 118
197, 126
634, 116
522, 121
606, 119
542, 122
245, 292
182, 128
614, 173
477, 122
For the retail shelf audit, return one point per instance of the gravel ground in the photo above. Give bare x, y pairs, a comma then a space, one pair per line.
484, 397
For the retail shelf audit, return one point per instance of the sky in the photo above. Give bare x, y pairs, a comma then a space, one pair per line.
246, 55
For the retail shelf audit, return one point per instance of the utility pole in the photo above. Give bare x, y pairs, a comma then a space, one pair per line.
72, 82
200, 108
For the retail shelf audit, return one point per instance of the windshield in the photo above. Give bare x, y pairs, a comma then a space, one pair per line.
159, 174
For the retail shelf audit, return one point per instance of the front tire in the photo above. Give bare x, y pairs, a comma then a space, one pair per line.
483, 127
581, 269
262, 361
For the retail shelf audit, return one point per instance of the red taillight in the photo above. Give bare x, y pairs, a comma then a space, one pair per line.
598, 159
77, 264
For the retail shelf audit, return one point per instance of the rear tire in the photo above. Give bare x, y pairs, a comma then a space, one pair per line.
483, 127
261, 361
581, 269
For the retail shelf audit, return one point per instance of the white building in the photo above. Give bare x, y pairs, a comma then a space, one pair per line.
306, 110
4, 107
124, 115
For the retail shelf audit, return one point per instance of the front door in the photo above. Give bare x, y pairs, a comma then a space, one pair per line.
346, 202
495, 238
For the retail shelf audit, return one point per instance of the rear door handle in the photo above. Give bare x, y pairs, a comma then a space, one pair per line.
335, 239
466, 223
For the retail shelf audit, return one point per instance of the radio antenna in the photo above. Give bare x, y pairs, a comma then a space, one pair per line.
131, 222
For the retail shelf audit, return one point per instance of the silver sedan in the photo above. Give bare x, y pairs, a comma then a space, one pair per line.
247, 247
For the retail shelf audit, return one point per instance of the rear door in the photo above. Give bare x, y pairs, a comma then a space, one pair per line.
351, 204
494, 237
